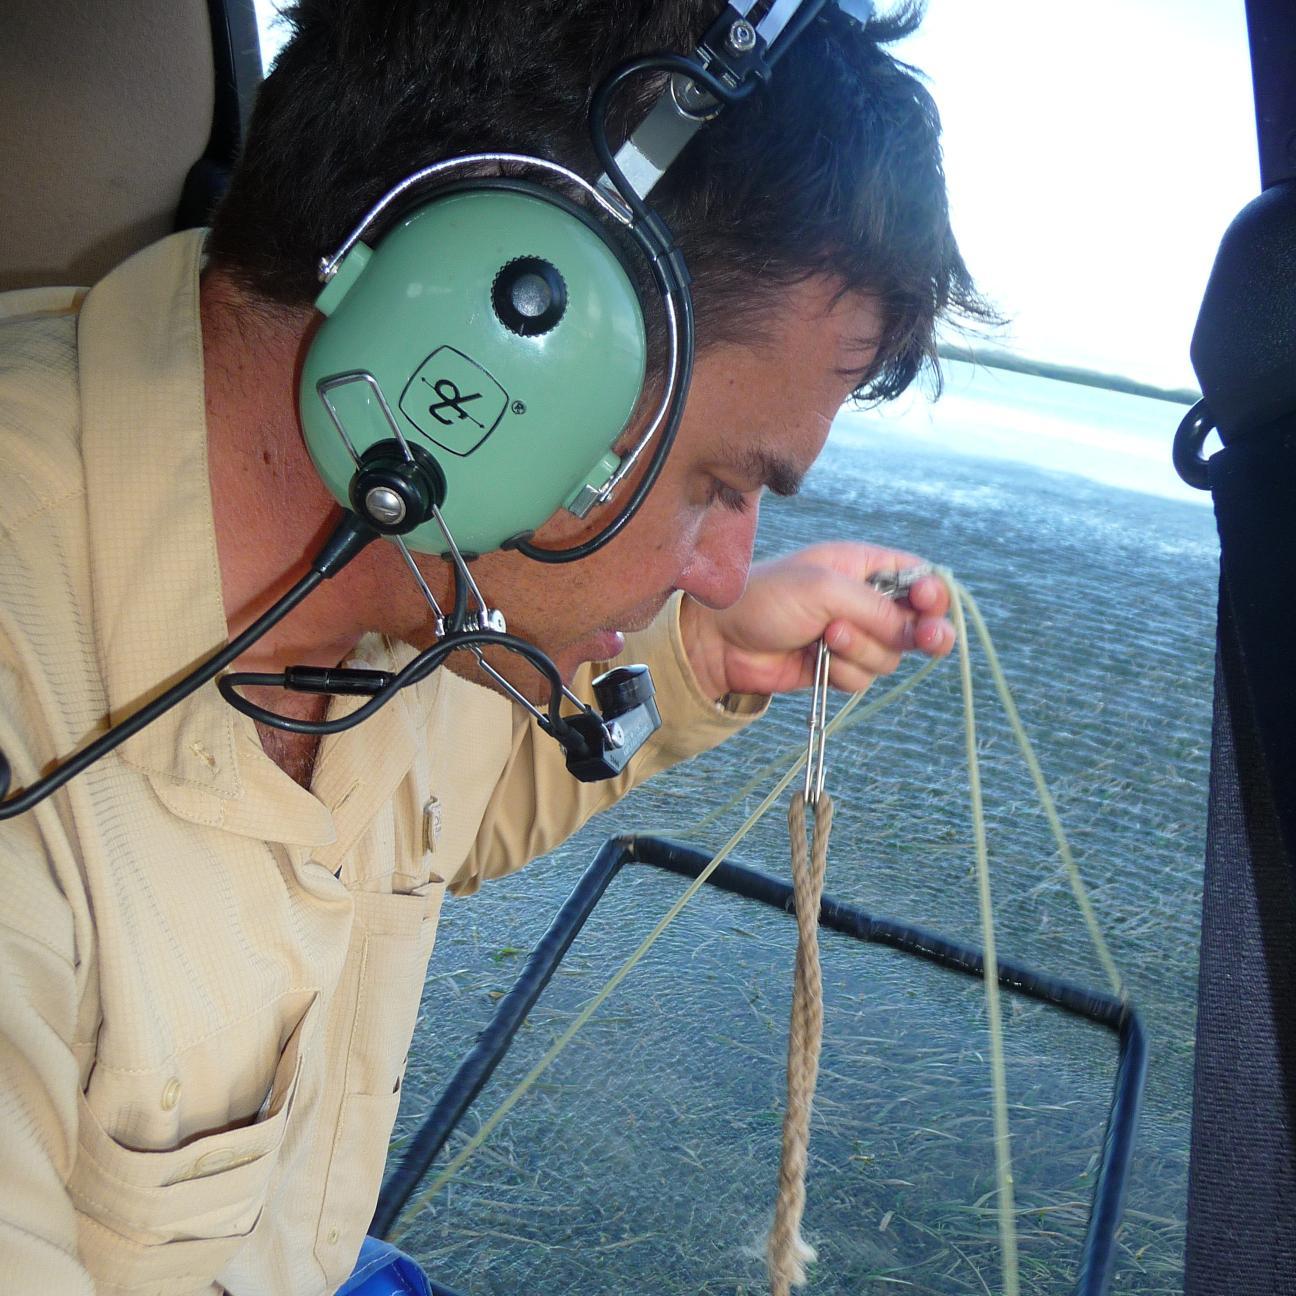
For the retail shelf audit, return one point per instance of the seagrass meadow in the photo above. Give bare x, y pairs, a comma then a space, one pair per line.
645, 1159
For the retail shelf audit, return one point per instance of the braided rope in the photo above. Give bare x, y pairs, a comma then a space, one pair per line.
788, 1252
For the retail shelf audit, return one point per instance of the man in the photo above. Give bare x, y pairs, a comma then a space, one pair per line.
214, 940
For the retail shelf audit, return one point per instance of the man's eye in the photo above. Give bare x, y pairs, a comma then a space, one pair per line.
727, 496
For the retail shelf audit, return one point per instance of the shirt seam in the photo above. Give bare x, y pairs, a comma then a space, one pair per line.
202, 1039
12, 525
148, 1247
42, 942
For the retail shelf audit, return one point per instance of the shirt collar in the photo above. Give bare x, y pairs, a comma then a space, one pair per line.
158, 608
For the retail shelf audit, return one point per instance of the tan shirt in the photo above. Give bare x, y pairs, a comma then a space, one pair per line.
209, 976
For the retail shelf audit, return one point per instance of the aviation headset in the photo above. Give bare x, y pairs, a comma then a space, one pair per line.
482, 353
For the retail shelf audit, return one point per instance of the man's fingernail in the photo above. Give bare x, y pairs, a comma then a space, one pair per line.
908, 636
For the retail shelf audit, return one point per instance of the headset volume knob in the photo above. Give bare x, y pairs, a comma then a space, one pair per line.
529, 296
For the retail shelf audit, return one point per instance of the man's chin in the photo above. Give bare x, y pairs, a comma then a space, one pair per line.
600, 646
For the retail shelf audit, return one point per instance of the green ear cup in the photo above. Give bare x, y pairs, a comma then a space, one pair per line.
504, 337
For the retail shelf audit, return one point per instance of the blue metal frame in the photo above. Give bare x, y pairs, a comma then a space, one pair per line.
475, 1070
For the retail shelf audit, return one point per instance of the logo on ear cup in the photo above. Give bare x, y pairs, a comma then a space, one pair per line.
453, 401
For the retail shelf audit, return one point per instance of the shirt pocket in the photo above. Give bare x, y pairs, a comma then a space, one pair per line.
166, 1222
385, 971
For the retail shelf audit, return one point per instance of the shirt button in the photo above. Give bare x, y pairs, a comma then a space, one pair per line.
170, 1094
334, 1234
211, 1162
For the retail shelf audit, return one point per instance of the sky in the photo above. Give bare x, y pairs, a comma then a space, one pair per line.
1095, 154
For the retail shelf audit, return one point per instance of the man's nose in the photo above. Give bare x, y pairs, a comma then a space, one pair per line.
716, 573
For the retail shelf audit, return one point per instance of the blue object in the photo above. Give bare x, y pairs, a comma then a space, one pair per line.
383, 1270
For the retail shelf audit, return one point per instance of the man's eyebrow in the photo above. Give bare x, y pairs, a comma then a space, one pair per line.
781, 475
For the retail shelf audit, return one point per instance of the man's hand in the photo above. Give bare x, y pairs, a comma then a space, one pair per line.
765, 642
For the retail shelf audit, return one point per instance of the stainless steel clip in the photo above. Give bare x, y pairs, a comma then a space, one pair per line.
817, 746
892, 585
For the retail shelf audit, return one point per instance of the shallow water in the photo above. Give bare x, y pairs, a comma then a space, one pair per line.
645, 1160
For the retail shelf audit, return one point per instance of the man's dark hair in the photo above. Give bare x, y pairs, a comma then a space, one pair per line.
833, 169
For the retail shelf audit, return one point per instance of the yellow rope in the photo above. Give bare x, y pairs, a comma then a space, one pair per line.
959, 597
998, 1071
1041, 788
